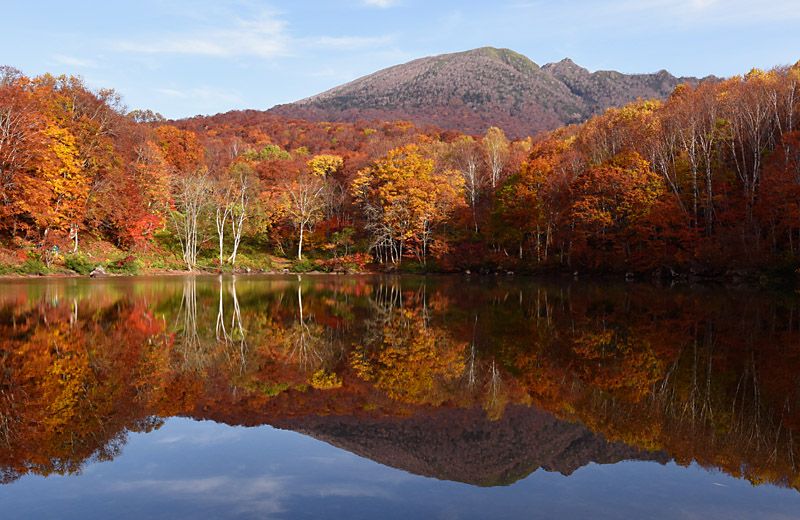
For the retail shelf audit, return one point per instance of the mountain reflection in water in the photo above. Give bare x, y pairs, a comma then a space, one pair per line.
479, 381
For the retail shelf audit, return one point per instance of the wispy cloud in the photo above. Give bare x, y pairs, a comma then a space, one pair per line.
263, 494
197, 438
350, 491
266, 36
258, 494
73, 61
383, 4
263, 37
706, 13
203, 95
349, 42
709, 12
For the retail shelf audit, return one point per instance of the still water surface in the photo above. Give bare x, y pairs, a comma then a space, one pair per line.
379, 397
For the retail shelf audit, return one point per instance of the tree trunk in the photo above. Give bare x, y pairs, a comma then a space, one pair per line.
74, 233
300, 242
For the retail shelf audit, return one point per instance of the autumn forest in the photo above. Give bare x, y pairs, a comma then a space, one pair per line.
706, 182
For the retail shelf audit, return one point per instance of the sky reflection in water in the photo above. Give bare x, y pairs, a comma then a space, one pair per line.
200, 468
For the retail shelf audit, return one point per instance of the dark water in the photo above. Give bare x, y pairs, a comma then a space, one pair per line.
370, 397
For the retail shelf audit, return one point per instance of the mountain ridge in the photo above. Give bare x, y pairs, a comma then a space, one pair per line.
469, 91
463, 445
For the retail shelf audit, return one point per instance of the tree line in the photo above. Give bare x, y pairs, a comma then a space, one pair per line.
704, 181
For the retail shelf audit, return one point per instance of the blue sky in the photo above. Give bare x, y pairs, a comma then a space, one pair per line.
182, 57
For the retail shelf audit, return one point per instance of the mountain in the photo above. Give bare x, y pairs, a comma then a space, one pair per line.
473, 90
462, 445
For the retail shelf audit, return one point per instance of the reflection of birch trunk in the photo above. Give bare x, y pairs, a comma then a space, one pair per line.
426, 316
693, 411
494, 383
236, 337
73, 317
386, 298
471, 371
495, 397
300, 299
306, 342
190, 343
707, 409
222, 334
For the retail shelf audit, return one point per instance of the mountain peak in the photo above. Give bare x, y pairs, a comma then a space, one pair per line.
472, 90
504, 55
565, 67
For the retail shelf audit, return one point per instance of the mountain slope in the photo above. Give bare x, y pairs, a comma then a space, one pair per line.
472, 90
462, 445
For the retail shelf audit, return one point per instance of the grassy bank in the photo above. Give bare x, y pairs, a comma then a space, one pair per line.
26, 260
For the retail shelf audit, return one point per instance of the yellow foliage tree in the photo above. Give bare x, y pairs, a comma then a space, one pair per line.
404, 197
324, 165
67, 182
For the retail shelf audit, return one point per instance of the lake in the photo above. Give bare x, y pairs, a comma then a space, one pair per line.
396, 397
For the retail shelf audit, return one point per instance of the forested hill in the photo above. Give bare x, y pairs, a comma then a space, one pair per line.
473, 90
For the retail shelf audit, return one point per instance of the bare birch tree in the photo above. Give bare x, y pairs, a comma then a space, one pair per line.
496, 149
190, 198
232, 204
305, 201
465, 157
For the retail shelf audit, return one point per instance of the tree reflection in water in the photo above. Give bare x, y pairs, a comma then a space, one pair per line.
233, 337
691, 374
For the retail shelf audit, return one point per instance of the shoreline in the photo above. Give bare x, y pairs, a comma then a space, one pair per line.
758, 279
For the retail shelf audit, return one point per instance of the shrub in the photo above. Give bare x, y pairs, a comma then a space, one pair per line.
79, 263
254, 263
126, 265
354, 263
33, 266
304, 266
166, 263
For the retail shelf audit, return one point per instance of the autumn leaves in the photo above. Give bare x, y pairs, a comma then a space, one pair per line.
405, 199
705, 181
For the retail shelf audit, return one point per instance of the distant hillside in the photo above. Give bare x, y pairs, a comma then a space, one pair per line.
473, 90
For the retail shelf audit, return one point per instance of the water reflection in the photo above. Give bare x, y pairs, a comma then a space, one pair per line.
480, 382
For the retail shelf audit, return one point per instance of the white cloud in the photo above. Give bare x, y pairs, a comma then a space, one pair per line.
264, 37
644, 15
233, 487
712, 12
203, 95
262, 494
73, 61
702, 4
199, 438
349, 42
350, 491
383, 4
